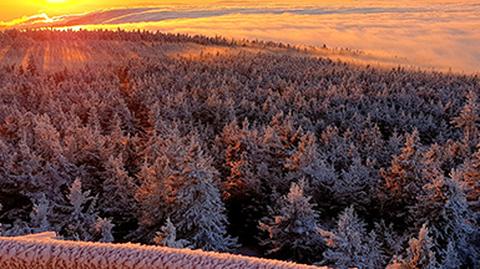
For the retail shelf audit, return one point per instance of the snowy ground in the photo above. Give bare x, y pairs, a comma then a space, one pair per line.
44, 251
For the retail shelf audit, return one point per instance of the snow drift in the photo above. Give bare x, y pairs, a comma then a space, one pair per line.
43, 251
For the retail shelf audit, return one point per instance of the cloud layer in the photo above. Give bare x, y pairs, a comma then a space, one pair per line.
440, 34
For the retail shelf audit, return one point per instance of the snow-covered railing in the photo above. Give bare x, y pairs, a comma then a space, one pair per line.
44, 251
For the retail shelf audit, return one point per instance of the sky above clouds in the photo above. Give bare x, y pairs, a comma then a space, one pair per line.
438, 33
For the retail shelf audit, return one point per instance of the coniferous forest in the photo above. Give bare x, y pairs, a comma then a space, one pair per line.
257, 148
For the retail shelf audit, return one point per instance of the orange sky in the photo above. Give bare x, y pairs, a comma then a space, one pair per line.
11, 9
14, 9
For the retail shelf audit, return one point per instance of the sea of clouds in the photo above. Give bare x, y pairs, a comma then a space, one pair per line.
438, 34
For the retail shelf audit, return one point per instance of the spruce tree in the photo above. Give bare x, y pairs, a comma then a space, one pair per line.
167, 237
151, 196
459, 226
39, 217
350, 245
471, 179
469, 120
356, 186
80, 218
103, 230
199, 211
292, 226
307, 162
117, 200
452, 223
403, 180
392, 242
420, 254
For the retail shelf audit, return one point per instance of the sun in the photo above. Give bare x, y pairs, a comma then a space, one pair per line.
56, 1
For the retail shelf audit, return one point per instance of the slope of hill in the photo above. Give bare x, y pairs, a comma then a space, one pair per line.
237, 146
53, 53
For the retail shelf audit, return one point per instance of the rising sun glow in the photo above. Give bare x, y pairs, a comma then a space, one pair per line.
56, 1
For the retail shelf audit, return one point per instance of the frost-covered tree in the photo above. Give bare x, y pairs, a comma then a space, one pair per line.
371, 139
39, 217
80, 217
394, 144
420, 253
274, 153
151, 195
450, 259
244, 185
350, 245
458, 225
403, 180
392, 242
103, 229
469, 119
117, 200
199, 211
292, 226
303, 162
452, 223
245, 195
336, 146
375, 256
307, 162
31, 66
357, 185
167, 237
431, 197
471, 179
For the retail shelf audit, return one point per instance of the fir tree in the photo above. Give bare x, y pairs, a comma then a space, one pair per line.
349, 245
307, 163
403, 180
167, 237
471, 179
458, 225
79, 223
151, 196
431, 198
118, 200
292, 226
371, 139
356, 185
419, 254
103, 229
450, 259
39, 217
392, 242
469, 119
336, 147
452, 223
199, 211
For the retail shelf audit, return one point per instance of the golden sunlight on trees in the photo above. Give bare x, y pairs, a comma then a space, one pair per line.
248, 147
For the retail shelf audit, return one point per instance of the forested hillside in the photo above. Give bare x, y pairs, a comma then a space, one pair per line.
237, 147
